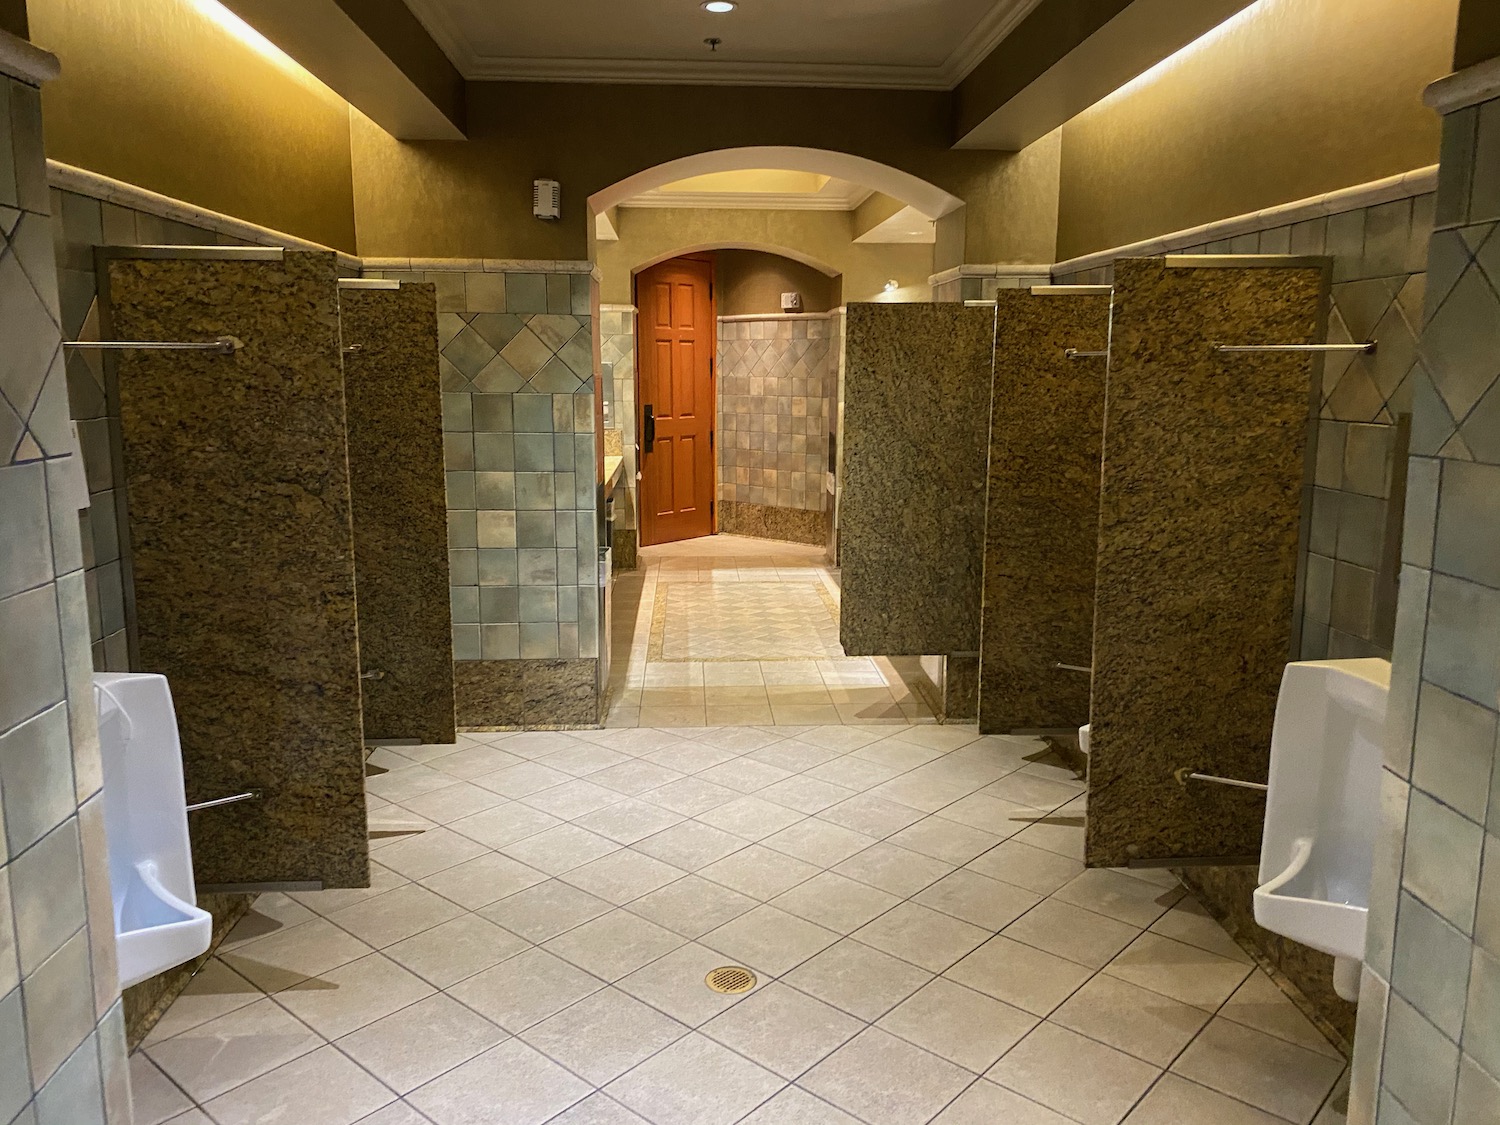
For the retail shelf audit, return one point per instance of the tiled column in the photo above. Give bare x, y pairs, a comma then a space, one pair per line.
62, 1031
617, 345
516, 356
1428, 1042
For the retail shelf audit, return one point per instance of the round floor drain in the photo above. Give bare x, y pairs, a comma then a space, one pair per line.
730, 979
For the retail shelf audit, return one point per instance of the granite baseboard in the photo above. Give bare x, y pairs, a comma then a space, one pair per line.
1305, 974
626, 548
763, 521
960, 689
527, 694
145, 1002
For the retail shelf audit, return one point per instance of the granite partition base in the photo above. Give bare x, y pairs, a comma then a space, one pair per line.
626, 548
763, 521
1226, 893
527, 694
146, 1002
960, 689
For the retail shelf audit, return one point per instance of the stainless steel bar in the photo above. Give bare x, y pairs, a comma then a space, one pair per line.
372, 675
1075, 353
1188, 774
250, 795
224, 345
1368, 346
1074, 668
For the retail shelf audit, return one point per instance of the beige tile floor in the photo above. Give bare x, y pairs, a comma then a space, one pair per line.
545, 906
746, 633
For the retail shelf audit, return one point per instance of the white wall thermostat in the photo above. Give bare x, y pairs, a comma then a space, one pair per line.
791, 302
546, 199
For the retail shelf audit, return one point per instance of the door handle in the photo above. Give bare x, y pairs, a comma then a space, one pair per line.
648, 434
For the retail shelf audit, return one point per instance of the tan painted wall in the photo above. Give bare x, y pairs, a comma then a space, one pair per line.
1478, 33
155, 93
1292, 99
752, 281
648, 235
474, 198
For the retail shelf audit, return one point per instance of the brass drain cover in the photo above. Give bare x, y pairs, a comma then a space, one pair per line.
730, 979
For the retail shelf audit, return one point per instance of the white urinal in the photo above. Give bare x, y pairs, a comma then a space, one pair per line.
157, 922
1322, 809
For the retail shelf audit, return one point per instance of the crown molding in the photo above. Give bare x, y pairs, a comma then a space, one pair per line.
1000, 21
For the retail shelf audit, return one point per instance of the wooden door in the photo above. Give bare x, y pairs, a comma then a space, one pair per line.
396, 483
236, 474
678, 338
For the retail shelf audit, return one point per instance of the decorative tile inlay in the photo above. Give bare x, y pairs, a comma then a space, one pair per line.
744, 621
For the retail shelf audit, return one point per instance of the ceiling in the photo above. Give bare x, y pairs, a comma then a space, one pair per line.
760, 188
897, 44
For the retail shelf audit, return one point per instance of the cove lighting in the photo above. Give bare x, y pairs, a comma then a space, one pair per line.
1145, 78
720, 6
250, 37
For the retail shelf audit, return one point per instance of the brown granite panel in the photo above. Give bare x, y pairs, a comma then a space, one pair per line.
1204, 458
960, 689
396, 482
764, 521
626, 546
237, 483
527, 694
1042, 519
916, 437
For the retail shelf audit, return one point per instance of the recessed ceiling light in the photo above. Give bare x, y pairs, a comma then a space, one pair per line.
720, 6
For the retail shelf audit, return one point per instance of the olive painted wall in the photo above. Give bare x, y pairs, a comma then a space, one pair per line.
1290, 99
160, 95
440, 198
752, 281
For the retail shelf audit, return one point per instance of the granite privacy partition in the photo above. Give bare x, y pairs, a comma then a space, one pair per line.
1042, 515
1199, 531
1428, 1040
242, 549
62, 1032
916, 397
1376, 236
774, 387
395, 433
516, 362
617, 349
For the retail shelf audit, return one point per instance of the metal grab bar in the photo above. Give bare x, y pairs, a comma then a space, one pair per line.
1187, 774
1368, 346
1075, 353
372, 675
1074, 668
249, 795
224, 345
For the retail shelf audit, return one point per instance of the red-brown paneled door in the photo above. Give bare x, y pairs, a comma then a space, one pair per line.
678, 338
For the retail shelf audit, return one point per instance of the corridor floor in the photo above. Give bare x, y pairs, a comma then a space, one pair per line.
546, 906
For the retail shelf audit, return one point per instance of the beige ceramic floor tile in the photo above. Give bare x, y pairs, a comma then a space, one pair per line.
214, 990
525, 989
958, 1024
893, 869
1145, 1024
573, 798
887, 1081
604, 1035
835, 902
431, 851
692, 906
454, 801
769, 940
599, 1109
759, 872
382, 879
457, 949
284, 958
223, 1053
1026, 978
614, 945
623, 876
154, 1097
1258, 1003
695, 1081
560, 849
1267, 1072
1072, 932
345, 999
420, 1042
1176, 1101
978, 899
922, 936
629, 821
797, 1107
985, 1103
386, 919
1119, 896
690, 845
511, 1084
818, 842
782, 1029
675, 985
1082, 1079
1183, 972
1037, 870
857, 979
944, 839
545, 910
483, 880
323, 1086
